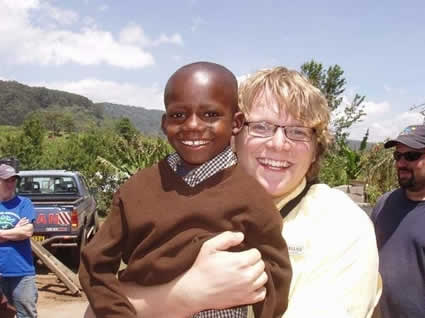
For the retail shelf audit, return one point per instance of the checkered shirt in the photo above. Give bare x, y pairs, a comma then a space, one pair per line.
223, 160
236, 312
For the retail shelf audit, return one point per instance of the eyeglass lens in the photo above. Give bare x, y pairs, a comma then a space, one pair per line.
409, 155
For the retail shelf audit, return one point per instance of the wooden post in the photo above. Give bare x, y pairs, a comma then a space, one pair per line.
64, 274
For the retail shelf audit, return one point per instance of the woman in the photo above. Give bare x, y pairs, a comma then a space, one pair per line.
331, 241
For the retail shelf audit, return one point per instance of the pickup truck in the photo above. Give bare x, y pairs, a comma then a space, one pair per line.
65, 208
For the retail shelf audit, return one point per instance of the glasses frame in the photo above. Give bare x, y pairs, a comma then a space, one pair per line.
248, 123
409, 156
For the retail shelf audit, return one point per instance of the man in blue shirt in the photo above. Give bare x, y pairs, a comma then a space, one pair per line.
399, 218
17, 273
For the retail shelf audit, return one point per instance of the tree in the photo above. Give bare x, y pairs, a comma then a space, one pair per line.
126, 129
341, 163
332, 84
27, 146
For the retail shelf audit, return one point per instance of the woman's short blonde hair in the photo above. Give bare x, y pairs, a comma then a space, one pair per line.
296, 96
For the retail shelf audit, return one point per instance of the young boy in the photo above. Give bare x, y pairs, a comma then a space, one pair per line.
162, 215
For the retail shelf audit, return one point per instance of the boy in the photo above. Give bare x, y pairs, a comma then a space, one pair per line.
161, 216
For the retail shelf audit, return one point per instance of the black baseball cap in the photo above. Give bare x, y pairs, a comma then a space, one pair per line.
412, 136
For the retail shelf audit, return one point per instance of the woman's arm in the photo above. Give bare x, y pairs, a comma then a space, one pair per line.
218, 279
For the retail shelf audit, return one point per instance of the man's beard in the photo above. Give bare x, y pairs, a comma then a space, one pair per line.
407, 183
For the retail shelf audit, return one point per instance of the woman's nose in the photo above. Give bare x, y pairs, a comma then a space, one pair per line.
279, 141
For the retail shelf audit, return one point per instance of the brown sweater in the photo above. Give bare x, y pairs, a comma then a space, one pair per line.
157, 226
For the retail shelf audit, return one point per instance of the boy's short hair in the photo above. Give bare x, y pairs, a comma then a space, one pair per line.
231, 80
296, 95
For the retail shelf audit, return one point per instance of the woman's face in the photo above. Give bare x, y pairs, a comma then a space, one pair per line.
278, 163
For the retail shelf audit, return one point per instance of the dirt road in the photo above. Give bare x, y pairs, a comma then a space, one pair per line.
54, 300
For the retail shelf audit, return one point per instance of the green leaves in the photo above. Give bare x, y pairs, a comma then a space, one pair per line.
332, 84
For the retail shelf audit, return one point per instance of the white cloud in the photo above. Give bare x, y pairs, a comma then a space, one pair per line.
112, 92
61, 16
134, 34
47, 43
87, 48
372, 108
165, 39
383, 122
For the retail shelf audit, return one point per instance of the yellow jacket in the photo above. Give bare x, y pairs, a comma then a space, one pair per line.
334, 257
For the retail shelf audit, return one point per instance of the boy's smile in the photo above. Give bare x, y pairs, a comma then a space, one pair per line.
200, 114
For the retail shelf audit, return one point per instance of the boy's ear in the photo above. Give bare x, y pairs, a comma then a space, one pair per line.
238, 121
163, 124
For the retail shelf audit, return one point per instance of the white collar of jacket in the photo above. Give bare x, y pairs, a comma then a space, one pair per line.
281, 201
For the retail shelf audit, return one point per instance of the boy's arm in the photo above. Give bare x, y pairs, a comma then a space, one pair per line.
100, 261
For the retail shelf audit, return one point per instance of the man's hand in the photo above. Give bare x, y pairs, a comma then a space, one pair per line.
220, 279
23, 221
22, 230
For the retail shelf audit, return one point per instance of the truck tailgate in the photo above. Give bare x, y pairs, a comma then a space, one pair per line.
51, 221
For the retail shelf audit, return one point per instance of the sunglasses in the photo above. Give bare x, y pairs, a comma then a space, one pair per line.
408, 156
11, 179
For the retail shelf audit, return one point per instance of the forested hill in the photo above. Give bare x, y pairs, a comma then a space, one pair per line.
17, 101
147, 121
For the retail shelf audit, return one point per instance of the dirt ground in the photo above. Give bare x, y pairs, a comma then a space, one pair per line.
55, 300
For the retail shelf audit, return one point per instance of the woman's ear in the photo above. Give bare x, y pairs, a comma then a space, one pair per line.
238, 121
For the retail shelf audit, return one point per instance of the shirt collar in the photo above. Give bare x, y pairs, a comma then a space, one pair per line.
223, 160
281, 201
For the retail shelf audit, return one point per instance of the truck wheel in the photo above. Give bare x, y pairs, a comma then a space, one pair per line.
83, 240
88, 231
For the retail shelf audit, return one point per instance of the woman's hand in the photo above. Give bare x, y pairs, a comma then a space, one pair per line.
217, 279
220, 279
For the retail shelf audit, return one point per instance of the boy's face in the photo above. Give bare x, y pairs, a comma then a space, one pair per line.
200, 117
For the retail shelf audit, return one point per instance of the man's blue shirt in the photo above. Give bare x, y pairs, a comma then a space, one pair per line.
16, 256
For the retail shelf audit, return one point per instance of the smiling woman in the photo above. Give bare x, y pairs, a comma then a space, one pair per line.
331, 242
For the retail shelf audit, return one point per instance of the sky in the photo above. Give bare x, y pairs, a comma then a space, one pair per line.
125, 51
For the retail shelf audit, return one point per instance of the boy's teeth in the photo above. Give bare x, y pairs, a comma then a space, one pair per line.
274, 163
194, 142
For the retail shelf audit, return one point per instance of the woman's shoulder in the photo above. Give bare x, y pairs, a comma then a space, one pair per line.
328, 202
335, 215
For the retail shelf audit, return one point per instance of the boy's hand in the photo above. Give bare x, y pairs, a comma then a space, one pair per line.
220, 279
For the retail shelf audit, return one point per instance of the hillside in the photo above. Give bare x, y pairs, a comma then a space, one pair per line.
17, 101
148, 121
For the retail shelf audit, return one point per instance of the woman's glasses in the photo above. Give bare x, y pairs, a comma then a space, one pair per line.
264, 129
408, 156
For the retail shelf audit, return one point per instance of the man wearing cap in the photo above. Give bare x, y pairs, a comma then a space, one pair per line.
399, 218
17, 273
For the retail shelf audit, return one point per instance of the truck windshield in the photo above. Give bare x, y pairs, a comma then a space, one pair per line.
47, 184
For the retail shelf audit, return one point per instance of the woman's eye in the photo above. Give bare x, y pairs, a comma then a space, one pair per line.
260, 127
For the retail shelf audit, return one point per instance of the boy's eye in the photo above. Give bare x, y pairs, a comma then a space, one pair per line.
211, 114
176, 115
